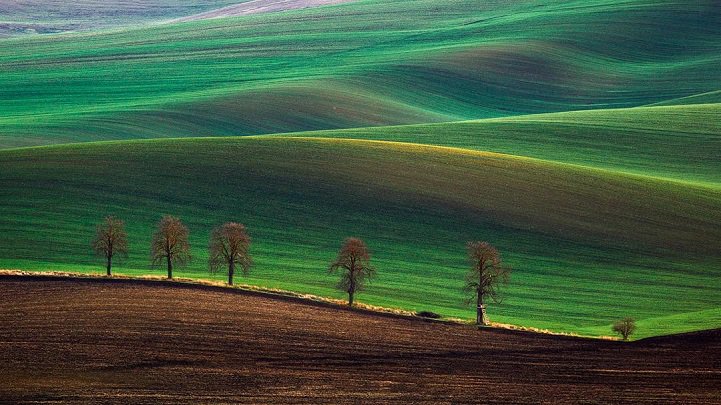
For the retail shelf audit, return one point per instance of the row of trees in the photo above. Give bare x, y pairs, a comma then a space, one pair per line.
229, 245
229, 248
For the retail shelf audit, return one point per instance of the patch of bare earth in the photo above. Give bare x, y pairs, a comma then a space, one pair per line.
132, 341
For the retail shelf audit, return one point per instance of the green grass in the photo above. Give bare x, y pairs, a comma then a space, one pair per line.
710, 97
580, 137
588, 246
53, 16
363, 63
679, 143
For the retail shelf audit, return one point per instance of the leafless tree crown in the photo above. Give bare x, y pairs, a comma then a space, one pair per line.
110, 237
487, 272
230, 246
170, 241
625, 327
353, 262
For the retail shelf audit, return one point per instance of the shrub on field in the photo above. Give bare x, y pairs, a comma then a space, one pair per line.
625, 327
428, 314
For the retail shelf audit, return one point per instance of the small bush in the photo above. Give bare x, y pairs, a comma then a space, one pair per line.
625, 327
428, 314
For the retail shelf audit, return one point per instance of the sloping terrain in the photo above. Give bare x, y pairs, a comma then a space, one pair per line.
588, 246
710, 97
261, 6
19, 17
580, 137
679, 143
123, 342
52, 16
368, 62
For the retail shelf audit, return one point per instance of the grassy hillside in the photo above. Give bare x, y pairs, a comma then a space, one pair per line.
261, 6
588, 246
580, 137
680, 143
710, 97
51, 16
416, 62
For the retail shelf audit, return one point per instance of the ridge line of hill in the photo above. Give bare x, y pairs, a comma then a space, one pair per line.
279, 294
257, 7
459, 150
500, 155
216, 77
714, 187
308, 299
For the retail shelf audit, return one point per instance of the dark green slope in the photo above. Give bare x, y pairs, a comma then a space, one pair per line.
359, 64
23, 17
680, 143
587, 246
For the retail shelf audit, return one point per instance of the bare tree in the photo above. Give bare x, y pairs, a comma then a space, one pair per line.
625, 327
230, 245
353, 261
110, 240
170, 243
485, 277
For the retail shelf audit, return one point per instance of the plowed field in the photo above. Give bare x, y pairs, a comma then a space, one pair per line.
134, 341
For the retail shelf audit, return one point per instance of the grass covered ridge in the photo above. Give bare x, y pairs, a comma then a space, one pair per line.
416, 62
679, 143
53, 16
579, 137
588, 246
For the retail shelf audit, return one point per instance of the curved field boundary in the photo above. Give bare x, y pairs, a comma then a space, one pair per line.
203, 285
85, 341
622, 244
260, 6
282, 295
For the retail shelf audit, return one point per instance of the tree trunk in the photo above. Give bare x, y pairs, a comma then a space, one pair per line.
351, 288
484, 318
170, 268
481, 317
109, 265
231, 270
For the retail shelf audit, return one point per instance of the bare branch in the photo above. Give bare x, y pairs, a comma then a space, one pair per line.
353, 262
170, 243
229, 246
486, 276
625, 327
110, 240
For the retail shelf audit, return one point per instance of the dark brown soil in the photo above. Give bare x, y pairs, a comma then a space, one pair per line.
150, 342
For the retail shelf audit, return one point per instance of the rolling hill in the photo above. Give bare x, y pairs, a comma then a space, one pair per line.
18, 17
680, 143
22, 17
588, 245
357, 64
123, 341
580, 137
260, 6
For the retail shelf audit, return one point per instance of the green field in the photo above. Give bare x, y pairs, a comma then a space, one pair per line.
359, 64
679, 143
588, 246
582, 138
56, 16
